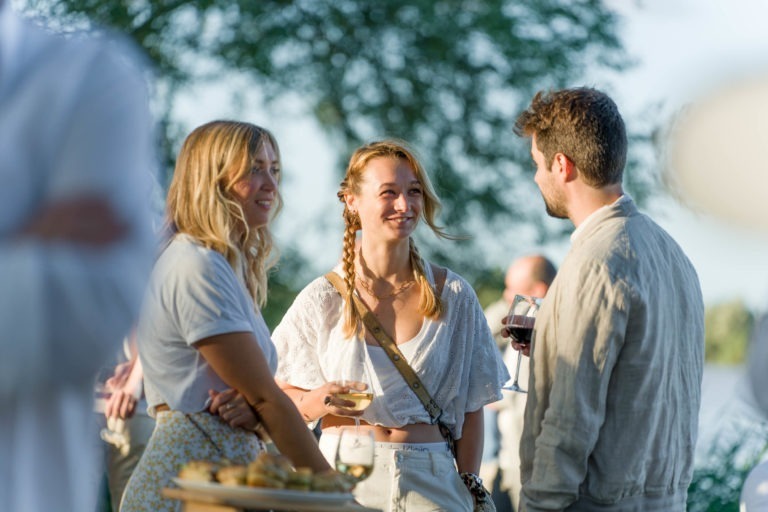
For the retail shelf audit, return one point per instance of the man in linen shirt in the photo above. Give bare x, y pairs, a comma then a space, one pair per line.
617, 354
76, 247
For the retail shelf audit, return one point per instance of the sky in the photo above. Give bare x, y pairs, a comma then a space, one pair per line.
689, 49
685, 49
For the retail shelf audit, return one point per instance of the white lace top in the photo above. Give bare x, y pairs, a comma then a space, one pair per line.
455, 357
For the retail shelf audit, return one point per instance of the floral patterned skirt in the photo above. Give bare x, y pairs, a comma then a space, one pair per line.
177, 439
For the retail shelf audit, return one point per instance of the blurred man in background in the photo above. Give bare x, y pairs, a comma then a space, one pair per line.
76, 246
527, 275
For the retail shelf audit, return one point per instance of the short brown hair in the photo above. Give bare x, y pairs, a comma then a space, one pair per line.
585, 125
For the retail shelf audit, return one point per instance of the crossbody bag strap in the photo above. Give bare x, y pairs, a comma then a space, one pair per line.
390, 347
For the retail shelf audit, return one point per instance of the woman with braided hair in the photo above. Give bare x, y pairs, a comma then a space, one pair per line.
432, 318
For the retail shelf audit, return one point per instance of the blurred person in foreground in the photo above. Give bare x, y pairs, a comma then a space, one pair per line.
618, 347
125, 425
76, 246
206, 351
528, 275
436, 323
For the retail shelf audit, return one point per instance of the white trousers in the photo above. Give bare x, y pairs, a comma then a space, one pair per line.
408, 477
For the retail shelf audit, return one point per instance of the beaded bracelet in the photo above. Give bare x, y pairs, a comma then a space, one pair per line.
475, 486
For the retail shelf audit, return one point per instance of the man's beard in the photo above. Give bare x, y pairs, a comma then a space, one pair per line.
555, 208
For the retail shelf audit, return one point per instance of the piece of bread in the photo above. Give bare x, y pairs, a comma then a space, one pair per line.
232, 475
198, 471
299, 479
331, 481
274, 466
256, 479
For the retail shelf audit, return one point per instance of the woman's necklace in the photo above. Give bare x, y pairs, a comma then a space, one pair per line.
394, 293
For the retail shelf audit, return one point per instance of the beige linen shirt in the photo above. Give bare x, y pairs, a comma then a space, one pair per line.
616, 367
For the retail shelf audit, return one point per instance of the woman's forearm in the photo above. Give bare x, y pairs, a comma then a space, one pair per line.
469, 449
237, 359
308, 402
290, 434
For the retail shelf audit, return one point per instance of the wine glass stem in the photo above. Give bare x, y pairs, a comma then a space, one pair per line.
517, 369
357, 425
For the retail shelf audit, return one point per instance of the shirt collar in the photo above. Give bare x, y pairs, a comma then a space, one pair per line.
621, 200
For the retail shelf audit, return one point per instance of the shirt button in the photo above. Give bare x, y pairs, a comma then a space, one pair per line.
396, 357
415, 385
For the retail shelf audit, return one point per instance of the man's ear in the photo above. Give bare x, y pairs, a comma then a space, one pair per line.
566, 167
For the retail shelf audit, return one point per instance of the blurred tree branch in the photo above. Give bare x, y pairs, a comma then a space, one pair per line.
449, 76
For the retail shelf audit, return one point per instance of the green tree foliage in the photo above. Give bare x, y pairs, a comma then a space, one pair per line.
728, 327
282, 287
719, 476
449, 76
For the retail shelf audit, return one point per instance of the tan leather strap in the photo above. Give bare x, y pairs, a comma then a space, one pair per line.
389, 346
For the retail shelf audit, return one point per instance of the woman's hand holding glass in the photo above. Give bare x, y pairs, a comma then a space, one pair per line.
348, 398
353, 393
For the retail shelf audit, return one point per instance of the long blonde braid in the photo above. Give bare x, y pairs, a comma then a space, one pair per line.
352, 318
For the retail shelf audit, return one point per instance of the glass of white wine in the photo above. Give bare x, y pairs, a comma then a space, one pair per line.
354, 454
355, 380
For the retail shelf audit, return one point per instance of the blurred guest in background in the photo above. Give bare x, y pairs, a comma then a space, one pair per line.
503, 420
76, 246
618, 346
125, 425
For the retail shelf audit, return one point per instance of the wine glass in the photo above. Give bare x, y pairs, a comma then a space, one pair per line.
355, 379
354, 454
520, 321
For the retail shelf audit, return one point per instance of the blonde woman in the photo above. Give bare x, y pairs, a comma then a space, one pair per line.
200, 333
444, 338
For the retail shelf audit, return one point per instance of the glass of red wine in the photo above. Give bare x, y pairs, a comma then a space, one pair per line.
520, 321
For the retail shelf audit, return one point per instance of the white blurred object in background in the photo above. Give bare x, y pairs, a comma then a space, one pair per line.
715, 154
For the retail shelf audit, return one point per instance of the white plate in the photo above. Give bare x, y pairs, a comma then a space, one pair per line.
243, 492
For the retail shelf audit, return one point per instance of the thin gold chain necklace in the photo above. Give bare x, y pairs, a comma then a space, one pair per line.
394, 293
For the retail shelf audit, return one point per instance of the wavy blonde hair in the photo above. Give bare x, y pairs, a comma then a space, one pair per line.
201, 204
430, 304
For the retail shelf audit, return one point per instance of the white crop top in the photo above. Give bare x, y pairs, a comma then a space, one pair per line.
455, 357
